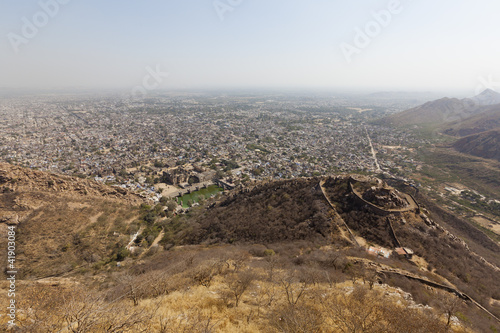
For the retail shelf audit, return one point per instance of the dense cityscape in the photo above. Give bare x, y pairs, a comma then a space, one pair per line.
134, 142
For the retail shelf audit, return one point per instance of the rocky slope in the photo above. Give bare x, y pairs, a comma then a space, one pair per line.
433, 113
17, 179
445, 111
60, 219
484, 121
485, 145
287, 234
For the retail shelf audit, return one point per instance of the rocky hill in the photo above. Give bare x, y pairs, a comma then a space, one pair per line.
487, 120
444, 111
273, 212
433, 113
297, 210
487, 97
59, 219
18, 179
485, 145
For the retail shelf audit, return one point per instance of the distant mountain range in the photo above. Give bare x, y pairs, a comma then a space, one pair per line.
476, 119
432, 113
444, 111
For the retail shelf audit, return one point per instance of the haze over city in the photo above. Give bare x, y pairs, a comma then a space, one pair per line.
369, 46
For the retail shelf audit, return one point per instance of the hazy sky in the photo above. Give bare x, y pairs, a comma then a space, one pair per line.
422, 45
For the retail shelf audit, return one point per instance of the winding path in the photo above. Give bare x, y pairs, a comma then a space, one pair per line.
353, 238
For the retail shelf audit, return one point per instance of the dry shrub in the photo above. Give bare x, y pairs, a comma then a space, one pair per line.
51, 309
237, 284
205, 273
192, 321
364, 310
295, 319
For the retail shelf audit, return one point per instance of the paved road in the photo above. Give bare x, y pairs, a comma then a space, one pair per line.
374, 154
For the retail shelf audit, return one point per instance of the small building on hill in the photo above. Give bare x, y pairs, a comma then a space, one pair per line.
404, 252
379, 251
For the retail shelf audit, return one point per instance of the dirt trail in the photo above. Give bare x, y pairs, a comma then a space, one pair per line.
353, 238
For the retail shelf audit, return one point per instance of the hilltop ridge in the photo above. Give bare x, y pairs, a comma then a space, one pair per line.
487, 97
432, 113
444, 111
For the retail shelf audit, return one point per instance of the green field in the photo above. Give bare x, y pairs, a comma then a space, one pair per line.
196, 196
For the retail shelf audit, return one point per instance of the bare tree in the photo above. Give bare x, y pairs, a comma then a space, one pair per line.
335, 259
449, 305
133, 287
293, 287
370, 277
42, 307
358, 311
331, 276
204, 273
271, 263
238, 283
159, 283
292, 319
86, 311
403, 318
265, 297
239, 260
356, 272
193, 321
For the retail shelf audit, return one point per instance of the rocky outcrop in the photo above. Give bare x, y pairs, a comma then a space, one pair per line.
385, 197
15, 178
9, 218
381, 199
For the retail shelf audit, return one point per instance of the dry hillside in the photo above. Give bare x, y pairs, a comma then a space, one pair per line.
485, 145
278, 257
